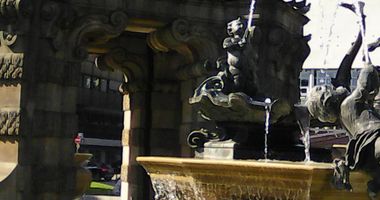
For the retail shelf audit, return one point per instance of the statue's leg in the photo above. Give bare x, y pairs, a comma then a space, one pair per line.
236, 75
373, 167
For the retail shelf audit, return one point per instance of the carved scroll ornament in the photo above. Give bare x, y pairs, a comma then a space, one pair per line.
9, 8
9, 123
10, 63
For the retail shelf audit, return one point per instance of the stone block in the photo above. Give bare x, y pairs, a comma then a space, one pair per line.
137, 137
172, 151
9, 151
127, 119
135, 174
184, 131
45, 124
163, 138
165, 119
164, 101
138, 118
126, 102
69, 95
69, 125
72, 75
10, 96
187, 90
186, 152
124, 172
125, 137
53, 124
187, 112
136, 191
49, 97
126, 155
45, 151
50, 151
138, 100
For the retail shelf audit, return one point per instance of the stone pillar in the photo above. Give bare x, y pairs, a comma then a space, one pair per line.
184, 51
135, 136
40, 55
137, 123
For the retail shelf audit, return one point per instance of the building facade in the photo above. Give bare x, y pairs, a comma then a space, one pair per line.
52, 92
99, 110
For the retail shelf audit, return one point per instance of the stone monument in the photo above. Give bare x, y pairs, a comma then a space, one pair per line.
239, 107
356, 111
262, 62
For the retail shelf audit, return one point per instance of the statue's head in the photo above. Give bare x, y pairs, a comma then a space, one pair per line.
323, 102
236, 27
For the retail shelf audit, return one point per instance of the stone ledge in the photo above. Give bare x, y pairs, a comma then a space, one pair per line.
237, 179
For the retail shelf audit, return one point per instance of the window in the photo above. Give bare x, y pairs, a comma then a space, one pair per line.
114, 85
86, 81
103, 85
95, 83
304, 82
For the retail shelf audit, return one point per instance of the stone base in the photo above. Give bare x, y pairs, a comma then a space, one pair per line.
230, 150
194, 179
217, 150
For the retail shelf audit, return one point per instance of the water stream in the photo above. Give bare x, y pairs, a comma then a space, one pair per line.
303, 120
251, 10
360, 13
267, 124
329, 36
306, 142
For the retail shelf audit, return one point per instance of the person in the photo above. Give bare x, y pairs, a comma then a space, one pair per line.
356, 113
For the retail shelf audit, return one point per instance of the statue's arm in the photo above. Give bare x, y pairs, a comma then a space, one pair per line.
372, 46
367, 84
343, 75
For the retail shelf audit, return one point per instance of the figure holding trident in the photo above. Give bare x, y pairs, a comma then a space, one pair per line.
355, 112
238, 70
249, 23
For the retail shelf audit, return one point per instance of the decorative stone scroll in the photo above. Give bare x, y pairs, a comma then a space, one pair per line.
10, 63
9, 123
193, 41
9, 8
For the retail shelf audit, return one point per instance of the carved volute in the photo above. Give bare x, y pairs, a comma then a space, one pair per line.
10, 63
133, 67
192, 41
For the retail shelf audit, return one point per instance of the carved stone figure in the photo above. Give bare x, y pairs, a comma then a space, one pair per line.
239, 73
356, 113
273, 50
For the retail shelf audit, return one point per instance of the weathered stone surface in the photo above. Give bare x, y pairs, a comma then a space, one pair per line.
9, 123
194, 179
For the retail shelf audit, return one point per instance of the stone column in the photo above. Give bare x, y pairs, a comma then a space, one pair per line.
185, 51
40, 55
137, 123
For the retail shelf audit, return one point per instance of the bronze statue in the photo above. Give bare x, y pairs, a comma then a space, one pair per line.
356, 112
237, 72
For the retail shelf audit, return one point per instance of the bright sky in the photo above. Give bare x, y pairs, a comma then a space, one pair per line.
333, 30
